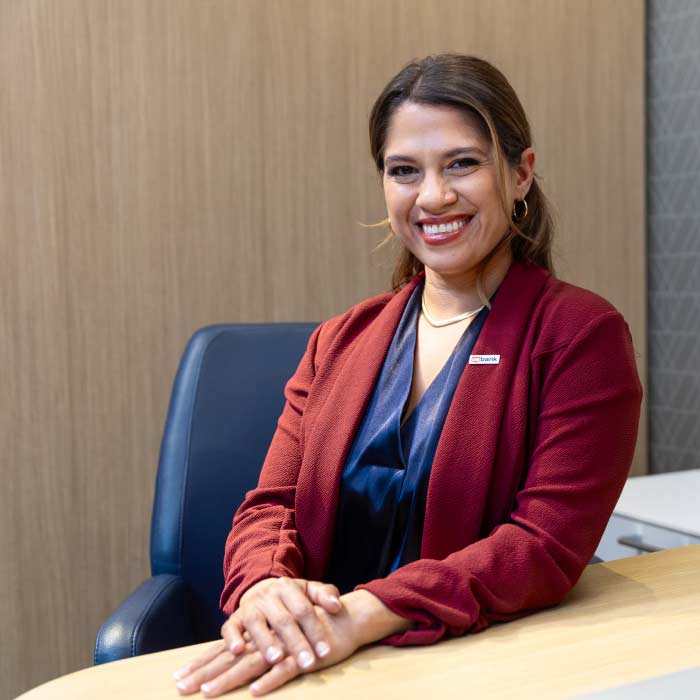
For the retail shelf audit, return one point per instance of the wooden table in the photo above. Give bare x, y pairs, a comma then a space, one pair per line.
624, 621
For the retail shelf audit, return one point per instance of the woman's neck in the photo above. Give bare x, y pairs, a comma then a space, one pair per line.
450, 295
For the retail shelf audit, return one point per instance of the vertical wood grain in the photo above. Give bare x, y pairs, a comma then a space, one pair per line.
165, 164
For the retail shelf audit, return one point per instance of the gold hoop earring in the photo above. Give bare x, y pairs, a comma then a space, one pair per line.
519, 217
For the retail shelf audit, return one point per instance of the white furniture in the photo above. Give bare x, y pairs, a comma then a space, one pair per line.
655, 512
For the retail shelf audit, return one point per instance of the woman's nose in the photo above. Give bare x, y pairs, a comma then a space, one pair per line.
435, 193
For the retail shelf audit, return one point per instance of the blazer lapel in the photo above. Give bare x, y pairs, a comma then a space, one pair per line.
464, 460
337, 422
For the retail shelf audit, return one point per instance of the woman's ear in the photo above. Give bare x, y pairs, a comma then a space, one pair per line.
524, 173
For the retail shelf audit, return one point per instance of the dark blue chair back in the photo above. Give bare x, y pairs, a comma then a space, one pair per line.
223, 412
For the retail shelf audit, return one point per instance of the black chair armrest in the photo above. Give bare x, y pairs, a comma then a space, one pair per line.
155, 617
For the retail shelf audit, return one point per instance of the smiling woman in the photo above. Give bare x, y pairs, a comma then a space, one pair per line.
445, 458
429, 185
488, 106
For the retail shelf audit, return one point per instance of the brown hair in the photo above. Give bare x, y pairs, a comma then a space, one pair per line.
482, 92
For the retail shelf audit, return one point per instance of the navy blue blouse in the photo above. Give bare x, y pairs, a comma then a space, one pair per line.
385, 479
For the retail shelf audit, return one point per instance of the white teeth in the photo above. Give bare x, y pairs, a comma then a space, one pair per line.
443, 228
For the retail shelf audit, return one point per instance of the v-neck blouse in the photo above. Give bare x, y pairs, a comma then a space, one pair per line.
385, 479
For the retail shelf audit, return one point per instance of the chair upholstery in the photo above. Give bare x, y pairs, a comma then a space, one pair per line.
223, 411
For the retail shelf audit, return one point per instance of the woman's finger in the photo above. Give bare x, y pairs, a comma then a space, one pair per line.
232, 632
283, 619
194, 681
246, 668
255, 619
209, 655
307, 635
277, 676
325, 595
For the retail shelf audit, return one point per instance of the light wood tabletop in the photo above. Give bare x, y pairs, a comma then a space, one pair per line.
625, 620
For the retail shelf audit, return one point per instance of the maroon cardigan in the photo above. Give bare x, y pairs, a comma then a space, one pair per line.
532, 458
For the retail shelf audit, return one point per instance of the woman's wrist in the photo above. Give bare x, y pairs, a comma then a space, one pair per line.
372, 619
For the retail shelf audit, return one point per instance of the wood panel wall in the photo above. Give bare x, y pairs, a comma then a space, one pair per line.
166, 164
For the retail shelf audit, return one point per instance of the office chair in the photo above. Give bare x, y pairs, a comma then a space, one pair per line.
227, 396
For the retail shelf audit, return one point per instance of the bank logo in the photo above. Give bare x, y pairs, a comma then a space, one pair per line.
484, 359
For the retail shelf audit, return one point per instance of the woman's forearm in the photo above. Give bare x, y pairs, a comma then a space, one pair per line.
373, 619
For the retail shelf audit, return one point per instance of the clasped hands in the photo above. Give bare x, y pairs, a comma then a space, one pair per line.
284, 627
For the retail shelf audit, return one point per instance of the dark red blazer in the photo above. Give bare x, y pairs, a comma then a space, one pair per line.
532, 458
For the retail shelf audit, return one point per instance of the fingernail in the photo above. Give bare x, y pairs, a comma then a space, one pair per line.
322, 649
254, 687
305, 659
181, 673
207, 687
335, 600
272, 654
182, 685
236, 646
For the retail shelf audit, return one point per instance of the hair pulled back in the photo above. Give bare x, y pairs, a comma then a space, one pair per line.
479, 90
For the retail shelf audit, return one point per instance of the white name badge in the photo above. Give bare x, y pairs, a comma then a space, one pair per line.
484, 359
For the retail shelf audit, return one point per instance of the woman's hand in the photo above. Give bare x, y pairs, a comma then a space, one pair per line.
362, 619
218, 670
284, 610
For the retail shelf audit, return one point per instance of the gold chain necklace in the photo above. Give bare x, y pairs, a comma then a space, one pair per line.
447, 322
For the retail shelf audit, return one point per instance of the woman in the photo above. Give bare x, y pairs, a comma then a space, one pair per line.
449, 454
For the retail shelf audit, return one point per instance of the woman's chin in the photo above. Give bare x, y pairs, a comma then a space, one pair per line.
450, 269
461, 263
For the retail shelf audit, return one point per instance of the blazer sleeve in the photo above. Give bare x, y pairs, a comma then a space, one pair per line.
581, 452
263, 541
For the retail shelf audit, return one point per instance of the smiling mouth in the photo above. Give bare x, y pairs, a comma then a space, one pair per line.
441, 229
437, 234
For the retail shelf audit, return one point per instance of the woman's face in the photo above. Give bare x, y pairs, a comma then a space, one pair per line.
441, 188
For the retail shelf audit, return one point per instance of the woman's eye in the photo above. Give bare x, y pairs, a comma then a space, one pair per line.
464, 164
401, 171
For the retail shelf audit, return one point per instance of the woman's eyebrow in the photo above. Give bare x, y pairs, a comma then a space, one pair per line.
448, 154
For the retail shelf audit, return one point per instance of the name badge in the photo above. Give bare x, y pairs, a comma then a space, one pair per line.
484, 359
